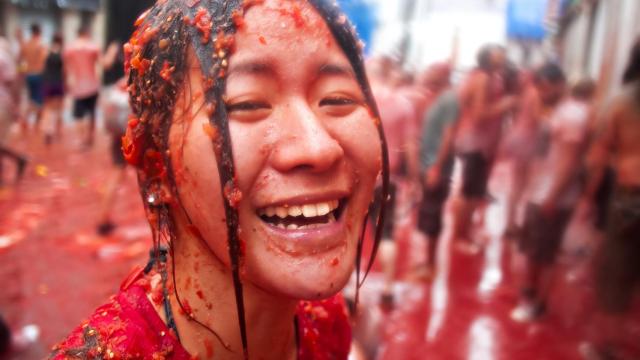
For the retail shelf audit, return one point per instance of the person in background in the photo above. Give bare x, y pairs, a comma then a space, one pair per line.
483, 105
519, 145
31, 61
8, 111
436, 165
617, 266
116, 110
53, 85
81, 59
555, 187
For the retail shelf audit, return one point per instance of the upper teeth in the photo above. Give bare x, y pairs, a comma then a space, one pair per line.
307, 210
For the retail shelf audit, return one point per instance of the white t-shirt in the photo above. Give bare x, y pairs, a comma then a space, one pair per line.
569, 123
81, 58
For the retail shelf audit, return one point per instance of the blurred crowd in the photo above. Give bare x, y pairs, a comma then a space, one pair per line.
572, 151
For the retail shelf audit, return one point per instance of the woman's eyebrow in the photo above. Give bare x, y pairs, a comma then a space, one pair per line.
251, 68
336, 70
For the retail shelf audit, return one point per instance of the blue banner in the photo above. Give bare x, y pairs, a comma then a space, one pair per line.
526, 19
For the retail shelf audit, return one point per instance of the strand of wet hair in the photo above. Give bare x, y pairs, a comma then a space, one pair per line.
176, 26
178, 199
344, 34
213, 70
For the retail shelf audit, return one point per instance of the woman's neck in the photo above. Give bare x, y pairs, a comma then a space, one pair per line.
205, 289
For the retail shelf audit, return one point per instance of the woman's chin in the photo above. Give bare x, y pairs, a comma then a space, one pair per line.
305, 279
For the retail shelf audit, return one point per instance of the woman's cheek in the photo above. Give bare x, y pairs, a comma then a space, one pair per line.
361, 138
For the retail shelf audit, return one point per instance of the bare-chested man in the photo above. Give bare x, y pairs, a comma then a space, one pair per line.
32, 60
482, 105
81, 60
618, 268
519, 146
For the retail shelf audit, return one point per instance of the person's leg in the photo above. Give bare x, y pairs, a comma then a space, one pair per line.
29, 108
57, 117
430, 221
388, 249
59, 126
463, 207
91, 109
48, 120
472, 193
20, 160
529, 242
78, 117
105, 223
513, 198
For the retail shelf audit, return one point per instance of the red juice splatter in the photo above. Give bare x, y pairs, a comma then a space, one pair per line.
238, 19
141, 18
167, 71
202, 22
209, 346
232, 193
210, 131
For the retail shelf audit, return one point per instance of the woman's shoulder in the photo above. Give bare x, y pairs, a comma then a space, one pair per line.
127, 326
324, 329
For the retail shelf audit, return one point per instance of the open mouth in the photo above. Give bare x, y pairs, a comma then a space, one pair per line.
307, 216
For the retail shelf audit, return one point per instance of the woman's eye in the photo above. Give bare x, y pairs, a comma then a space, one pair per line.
247, 106
337, 101
338, 106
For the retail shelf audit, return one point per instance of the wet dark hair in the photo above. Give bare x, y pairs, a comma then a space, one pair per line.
57, 39
632, 72
512, 78
550, 72
584, 89
35, 29
84, 29
483, 58
156, 60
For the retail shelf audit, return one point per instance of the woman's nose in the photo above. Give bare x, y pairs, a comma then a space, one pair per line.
304, 141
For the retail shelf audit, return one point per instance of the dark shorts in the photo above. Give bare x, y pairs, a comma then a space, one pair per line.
618, 262
116, 151
34, 87
541, 236
476, 169
85, 106
432, 204
602, 199
53, 90
389, 213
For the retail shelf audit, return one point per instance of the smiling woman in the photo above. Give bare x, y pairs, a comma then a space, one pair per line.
257, 144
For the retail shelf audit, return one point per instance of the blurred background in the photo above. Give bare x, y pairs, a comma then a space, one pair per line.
72, 225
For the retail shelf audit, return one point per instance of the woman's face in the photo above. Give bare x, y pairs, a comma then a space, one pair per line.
306, 151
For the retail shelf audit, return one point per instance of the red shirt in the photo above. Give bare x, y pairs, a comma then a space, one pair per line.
128, 327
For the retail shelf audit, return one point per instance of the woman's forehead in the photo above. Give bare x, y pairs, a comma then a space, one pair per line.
295, 19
